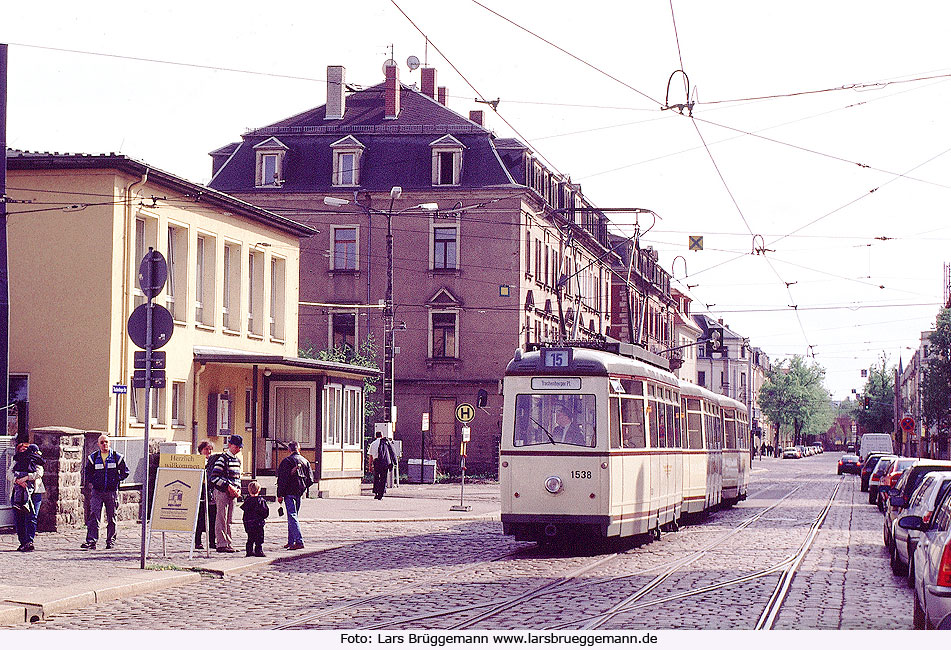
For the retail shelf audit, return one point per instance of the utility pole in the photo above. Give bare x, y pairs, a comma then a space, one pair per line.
4, 273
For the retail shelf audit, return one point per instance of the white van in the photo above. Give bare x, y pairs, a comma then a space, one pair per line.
872, 442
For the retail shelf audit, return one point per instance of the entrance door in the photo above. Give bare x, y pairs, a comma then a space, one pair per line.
293, 416
442, 429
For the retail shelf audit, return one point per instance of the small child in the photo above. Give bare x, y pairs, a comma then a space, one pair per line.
25, 463
255, 512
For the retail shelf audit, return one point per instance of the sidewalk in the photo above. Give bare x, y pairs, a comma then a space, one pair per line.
60, 576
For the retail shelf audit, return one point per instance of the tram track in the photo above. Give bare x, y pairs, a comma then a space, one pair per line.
563, 583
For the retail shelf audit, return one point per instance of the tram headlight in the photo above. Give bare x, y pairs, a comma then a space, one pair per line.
553, 484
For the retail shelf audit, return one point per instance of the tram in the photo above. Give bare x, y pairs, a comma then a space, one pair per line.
736, 451
604, 441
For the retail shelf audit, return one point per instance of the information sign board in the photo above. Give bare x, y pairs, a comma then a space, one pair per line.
175, 502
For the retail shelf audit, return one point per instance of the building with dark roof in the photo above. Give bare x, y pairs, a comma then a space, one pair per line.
513, 254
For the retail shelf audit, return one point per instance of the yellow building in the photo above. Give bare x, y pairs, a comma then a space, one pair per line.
79, 226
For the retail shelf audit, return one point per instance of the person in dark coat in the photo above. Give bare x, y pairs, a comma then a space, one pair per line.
381, 458
103, 472
293, 479
207, 503
255, 513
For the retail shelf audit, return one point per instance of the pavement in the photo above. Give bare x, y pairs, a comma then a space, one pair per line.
59, 576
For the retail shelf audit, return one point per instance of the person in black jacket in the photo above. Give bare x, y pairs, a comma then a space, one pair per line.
255, 513
207, 503
103, 472
293, 479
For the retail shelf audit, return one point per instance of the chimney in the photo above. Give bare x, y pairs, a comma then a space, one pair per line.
476, 116
429, 82
336, 97
442, 95
392, 93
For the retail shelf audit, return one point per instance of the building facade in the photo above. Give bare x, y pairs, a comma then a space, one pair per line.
482, 246
232, 363
921, 441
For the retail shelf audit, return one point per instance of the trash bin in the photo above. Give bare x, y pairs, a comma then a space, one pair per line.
413, 471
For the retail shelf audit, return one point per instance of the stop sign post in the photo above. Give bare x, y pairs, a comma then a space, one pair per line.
150, 327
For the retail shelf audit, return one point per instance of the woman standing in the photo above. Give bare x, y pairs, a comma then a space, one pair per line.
25, 518
207, 502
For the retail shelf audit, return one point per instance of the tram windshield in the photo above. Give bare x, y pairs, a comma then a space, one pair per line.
555, 419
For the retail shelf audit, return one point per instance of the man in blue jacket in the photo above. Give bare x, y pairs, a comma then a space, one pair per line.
103, 472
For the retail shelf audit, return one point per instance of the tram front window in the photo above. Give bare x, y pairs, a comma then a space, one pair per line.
555, 419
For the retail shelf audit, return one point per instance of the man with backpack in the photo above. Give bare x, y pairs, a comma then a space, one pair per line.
382, 457
293, 479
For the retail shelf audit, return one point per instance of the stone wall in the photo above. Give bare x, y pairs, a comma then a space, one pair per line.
65, 502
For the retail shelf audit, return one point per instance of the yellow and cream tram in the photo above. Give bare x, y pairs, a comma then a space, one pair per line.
608, 443
736, 450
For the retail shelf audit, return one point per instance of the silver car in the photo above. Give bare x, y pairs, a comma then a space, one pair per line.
932, 565
922, 503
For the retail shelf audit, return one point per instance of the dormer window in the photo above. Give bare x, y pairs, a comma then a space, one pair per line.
269, 163
447, 160
347, 154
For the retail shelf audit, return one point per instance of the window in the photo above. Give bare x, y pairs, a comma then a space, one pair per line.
447, 160
231, 294
255, 293
146, 233
205, 280
566, 419
175, 287
345, 250
276, 319
178, 403
445, 247
353, 417
332, 415
156, 405
248, 408
701, 378
538, 261
444, 344
269, 163
347, 153
528, 252
343, 329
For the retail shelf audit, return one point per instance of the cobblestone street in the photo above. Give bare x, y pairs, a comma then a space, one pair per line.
716, 574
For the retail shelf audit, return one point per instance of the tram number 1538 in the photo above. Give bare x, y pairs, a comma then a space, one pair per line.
580, 474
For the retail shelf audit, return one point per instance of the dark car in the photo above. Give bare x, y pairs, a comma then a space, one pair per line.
849, 464
867, 466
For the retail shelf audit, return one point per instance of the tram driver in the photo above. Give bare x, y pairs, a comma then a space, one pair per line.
566, 429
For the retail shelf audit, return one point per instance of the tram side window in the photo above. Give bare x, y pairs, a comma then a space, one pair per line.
633, 386
653, 408
632, 423
730, 433
569, 419
671, 427
614, 415
694, 430
678, 427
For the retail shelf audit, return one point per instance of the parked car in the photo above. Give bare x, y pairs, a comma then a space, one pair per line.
791, 452
932, 567
923, 502
890, 478
849, 464
876, 476
868, 465
900, 495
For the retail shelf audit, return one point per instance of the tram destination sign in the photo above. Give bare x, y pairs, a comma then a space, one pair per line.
556, 383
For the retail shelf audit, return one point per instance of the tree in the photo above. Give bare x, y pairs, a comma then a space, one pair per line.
364, 355
936, 387
879, 392
794, 395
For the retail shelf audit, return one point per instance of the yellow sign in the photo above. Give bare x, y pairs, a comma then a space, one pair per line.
695, 243
175, 502
465, 413
182, 461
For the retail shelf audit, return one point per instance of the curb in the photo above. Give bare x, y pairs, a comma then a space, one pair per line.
56, 601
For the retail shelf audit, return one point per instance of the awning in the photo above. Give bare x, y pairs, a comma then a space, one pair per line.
204, 354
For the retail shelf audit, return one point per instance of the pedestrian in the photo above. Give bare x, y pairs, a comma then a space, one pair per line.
103, 472
25, 462
226, 479
293, 479
24, 519
255, 513
381, 458
206, 506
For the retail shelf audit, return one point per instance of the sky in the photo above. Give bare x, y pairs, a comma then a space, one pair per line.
816, 163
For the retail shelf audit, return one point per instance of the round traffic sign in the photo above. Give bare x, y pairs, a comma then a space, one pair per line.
153, 272
907, 424
162, 326
465, 413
